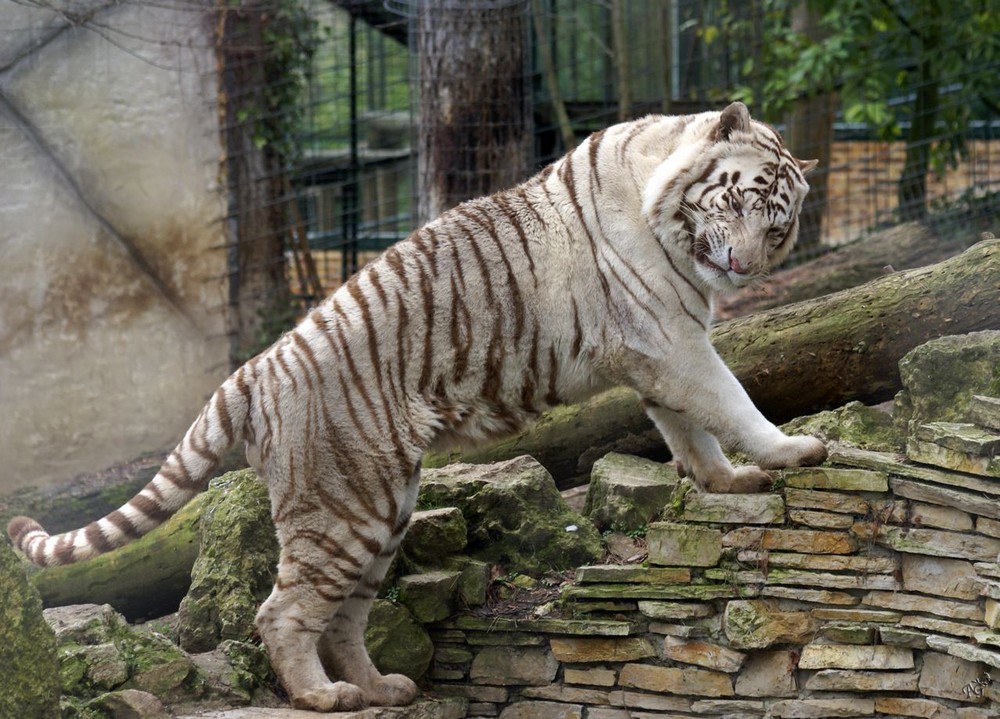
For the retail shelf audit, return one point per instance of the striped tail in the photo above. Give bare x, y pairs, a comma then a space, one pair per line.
183, 475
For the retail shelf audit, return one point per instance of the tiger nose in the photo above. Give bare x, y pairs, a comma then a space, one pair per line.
734, 264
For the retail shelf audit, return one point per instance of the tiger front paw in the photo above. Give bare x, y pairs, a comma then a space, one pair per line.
799, 451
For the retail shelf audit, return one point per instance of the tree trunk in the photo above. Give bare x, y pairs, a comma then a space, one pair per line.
259, 295
912, 189
810, 137
794, 360
476, 132
620, 48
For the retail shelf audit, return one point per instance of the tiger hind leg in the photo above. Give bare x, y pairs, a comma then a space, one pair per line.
318, 569
342, 647
290, 623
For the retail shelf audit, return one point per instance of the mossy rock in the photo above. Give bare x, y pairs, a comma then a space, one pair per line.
855, 424
99, 652
626, 493
433, 536
235, 568
515, 515
939, 378
29, 681
396, 642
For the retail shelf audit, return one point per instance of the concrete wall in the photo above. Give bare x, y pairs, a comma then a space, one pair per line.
112, 266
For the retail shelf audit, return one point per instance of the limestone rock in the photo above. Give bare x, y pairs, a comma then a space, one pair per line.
675, 680
628, 492
935, 542
396, 642
99, 651
958, 446
235, 568
843, 680
925, 708
919, 603
940, 377
130, 704
863, 564
541, 710
809, 541
433, 535
599, 649
945, 676
822, 708
640, 700
768, 674
675, 610
515, 515
430, 596
703, 654
592, 677
235, 672
674, 544
827, 501
473, 580
850, 656
936, 516
734, 508
985, 411
854, 424
837, 478
756, 624
29, 680
955, 578
511, 666
632, 573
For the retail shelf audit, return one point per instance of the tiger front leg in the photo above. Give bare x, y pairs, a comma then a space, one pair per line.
697, 402
697, 454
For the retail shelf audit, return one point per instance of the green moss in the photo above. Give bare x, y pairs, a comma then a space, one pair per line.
234, 571
855, 424
29, 680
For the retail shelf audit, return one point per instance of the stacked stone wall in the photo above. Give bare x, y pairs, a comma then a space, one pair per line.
868, 587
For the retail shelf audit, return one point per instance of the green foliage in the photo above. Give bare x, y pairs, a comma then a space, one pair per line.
874, 54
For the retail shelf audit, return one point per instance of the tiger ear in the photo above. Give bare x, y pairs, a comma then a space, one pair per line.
807, 166
735, 118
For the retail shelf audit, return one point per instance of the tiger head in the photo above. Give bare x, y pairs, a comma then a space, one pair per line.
737, 200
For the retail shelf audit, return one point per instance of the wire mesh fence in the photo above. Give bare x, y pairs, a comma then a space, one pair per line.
405, 107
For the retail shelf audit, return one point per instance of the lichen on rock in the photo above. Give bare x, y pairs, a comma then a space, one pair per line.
396, 642
940, 377
515, 515
29, 682
234, 571
855, 424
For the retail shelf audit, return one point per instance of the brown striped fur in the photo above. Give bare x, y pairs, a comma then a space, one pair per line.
598, 271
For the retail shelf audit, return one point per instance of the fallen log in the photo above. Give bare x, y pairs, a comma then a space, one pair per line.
793, 360
142, 580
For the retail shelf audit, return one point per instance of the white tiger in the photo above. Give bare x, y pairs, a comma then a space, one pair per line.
596, 272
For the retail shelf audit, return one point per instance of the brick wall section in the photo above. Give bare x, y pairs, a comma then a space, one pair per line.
869, 587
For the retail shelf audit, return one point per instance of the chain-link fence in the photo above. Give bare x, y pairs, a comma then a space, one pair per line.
408, 106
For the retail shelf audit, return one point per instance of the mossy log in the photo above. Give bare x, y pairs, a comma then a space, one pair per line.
144, 579
793, 360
